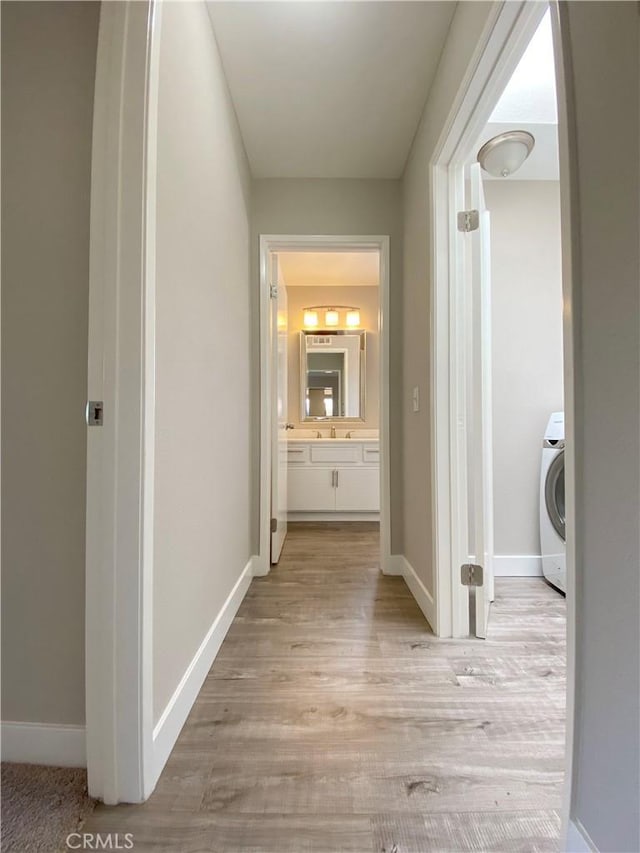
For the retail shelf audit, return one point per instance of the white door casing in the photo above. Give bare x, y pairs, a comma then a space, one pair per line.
274, 243
507, 33
479, 420
278, 342
121, 371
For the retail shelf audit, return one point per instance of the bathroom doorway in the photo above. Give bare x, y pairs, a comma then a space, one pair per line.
324, 386
523, 333
515, 112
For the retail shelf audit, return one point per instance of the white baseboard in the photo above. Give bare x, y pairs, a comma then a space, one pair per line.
394, 565
175, 714
333, 516
260, 566
44, 743
517, 566
420, 593
578, 840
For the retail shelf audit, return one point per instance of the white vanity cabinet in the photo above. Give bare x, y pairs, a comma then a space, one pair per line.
331, 478
357, 489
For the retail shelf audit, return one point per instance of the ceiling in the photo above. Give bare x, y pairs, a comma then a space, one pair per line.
529, 103
333, 269
530, 94
329, 89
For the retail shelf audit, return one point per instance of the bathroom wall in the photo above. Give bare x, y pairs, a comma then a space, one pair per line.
366, 298
527, 362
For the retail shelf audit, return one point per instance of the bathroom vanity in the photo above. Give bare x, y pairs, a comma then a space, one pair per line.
334, 467
333, 479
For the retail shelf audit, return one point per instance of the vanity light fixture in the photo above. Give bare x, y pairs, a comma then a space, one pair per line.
353, 318
310, 319
331, 316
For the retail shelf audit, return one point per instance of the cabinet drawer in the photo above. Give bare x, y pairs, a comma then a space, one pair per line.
297, 453
342, 453
371, 453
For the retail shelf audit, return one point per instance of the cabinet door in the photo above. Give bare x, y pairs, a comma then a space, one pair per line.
311, 489
358, 490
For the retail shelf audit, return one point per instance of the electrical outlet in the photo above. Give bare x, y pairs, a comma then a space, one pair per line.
416, 399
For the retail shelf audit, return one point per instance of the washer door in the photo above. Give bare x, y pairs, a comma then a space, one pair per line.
554, 494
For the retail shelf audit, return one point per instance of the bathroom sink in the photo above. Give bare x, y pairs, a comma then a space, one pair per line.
324, 434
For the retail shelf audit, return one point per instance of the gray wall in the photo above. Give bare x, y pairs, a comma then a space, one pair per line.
48, 71
316, 206
527, 363
601, 41
417, 472
202, 477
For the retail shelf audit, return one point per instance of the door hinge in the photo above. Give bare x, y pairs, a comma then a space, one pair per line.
468, 220
273, 291
95, 412
274, 525
471, 575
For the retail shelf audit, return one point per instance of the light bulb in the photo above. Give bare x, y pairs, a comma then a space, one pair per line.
332, 317
310, 318
353, 318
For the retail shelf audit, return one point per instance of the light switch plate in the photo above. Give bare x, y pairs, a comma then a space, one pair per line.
416, 399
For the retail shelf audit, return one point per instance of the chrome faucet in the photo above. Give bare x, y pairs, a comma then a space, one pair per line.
318, 434
333, 432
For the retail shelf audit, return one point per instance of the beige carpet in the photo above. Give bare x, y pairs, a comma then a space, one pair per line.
41, 806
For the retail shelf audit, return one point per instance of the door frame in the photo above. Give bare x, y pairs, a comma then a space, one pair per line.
278, 417
315, 242
121, 762
505, 37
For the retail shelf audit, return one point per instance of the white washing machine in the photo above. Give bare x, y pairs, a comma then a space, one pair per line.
552, 517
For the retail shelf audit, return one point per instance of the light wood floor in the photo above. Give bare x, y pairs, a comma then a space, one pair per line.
333, 720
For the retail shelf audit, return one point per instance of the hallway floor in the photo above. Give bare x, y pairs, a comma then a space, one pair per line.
333, 720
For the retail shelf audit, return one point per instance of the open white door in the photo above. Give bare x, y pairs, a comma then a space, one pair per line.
278, 337
480, 479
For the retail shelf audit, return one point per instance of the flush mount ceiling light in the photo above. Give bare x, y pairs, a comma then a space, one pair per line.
504, 154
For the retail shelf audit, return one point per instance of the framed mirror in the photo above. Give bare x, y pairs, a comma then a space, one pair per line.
333, 375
